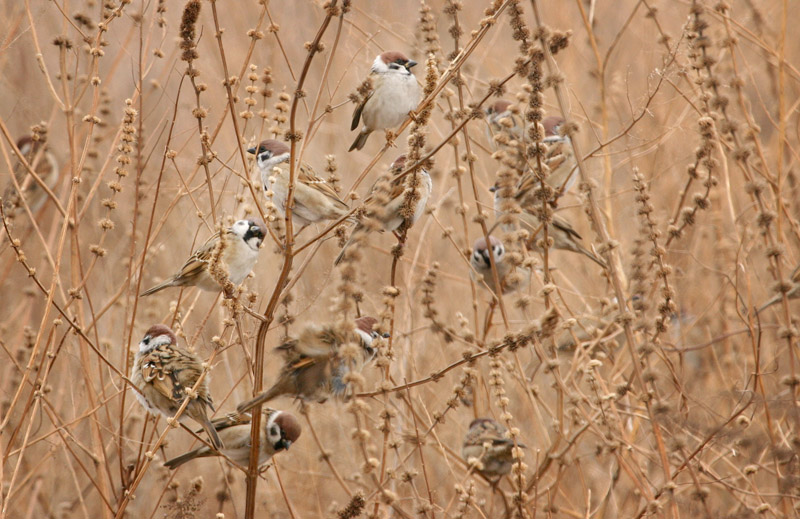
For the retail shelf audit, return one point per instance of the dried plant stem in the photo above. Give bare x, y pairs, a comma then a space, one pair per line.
613, 261
422, 459
288, 256
511, 341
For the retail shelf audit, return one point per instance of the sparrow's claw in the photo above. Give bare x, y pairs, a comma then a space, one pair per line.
390, 137
413, 116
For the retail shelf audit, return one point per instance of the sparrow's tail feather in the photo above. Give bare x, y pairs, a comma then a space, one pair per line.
360, 141
153, 290
211, 431
266, 396
177, 461
589, 254
341, 253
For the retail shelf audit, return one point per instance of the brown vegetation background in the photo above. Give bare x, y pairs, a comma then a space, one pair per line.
697, 419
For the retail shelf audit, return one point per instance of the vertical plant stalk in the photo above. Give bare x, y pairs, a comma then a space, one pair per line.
288, 256
191, 13
611, 252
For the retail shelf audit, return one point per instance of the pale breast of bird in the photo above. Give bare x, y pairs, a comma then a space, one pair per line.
389, 105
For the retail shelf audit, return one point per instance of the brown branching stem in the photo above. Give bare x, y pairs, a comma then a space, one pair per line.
288, 256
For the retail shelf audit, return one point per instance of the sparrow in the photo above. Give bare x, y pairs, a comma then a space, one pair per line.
793, 293
501, 117
488, 441
164, 373
558, 157
314, 198
394, 94
315, 367
240, 253
279, 430
43, 162
563, 235
482, 268
386, 205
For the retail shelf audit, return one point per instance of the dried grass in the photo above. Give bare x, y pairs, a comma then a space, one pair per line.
679, 399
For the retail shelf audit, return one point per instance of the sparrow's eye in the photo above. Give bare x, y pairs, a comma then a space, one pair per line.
146, 339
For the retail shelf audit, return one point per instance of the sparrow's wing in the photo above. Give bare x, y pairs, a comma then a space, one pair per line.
358, 110
306, 176
234, 419
486, 432
397, 187
307, 355
197, 262
172, 372
560, 223
526, 184
557, 152
312, 376
231, 420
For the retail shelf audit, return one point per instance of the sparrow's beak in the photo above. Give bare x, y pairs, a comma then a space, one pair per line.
252, 150
386, 335
284, 445
410, 63
493, 188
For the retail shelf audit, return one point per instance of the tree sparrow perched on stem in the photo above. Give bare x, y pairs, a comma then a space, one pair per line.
314, 199
558, 157
279, 430
487, 442
394, 94
510, 280
165, 374
387, 204
239, 252
563, 235
43, 162
501, 118
316, 365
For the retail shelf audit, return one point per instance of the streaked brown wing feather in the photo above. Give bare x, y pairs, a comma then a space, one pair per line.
559, 223
525, 185
397, 186
302, 363
358, 110
196, 263
310, 179
160, 377
173, 383
234, 419
555, 155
